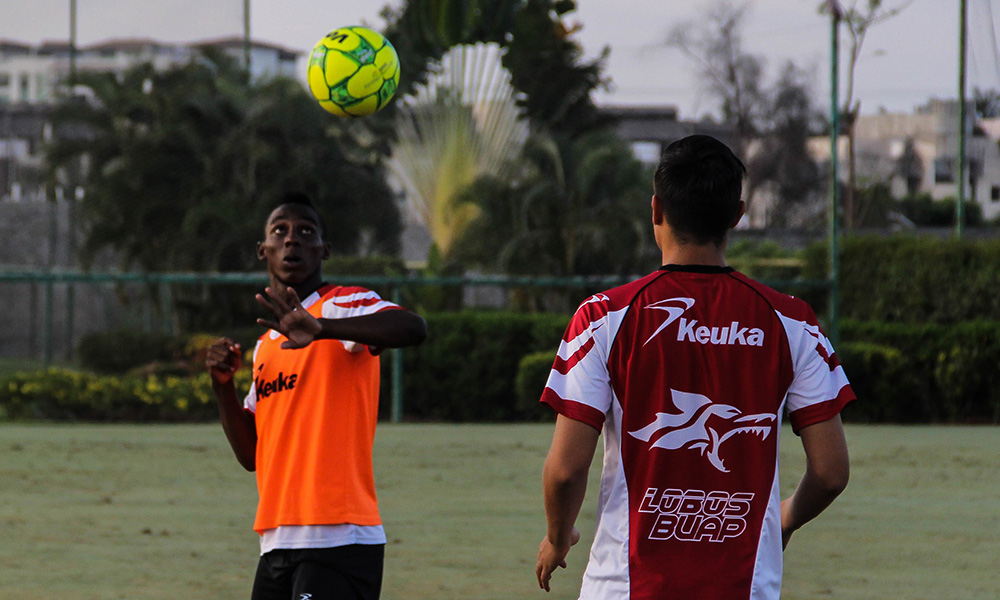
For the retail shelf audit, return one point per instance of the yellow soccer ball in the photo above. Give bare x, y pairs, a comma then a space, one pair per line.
353, 71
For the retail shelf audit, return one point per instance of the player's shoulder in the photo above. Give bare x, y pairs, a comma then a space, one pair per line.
785, 304
352, 301
621, 296
596, 308
349, 296
342, 291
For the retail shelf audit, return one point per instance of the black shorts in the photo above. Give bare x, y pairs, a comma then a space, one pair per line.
343, 573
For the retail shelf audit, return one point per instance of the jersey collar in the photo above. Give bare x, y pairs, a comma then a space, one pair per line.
315, 296
707, 269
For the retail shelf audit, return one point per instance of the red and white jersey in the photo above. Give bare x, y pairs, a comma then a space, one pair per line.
688, 370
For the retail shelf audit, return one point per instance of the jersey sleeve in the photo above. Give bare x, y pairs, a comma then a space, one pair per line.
346, 302
579, 384
819, 389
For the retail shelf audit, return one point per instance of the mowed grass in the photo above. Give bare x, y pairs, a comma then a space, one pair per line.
164, 512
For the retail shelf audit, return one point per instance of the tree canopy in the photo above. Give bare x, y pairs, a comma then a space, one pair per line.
180, 166
573, 208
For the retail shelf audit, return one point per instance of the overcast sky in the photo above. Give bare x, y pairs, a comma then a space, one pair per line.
906, 60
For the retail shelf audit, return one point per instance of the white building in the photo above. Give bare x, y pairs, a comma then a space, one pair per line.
36, 74
33, 78
930, 136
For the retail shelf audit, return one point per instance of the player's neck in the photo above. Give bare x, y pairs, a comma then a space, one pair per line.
693, 254
303, 290
676, 250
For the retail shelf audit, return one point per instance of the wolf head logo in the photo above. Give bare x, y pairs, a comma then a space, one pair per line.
698, 425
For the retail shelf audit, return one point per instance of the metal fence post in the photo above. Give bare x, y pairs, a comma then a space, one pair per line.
834, 262
396, 415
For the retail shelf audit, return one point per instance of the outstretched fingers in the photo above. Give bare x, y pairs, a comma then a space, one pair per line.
267, 324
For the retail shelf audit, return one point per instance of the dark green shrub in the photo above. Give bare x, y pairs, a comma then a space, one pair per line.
122, 350
922, 209
466, 370
60, 394
907, 279
882, 382
343, 265
948, 373
532, 373
763, 260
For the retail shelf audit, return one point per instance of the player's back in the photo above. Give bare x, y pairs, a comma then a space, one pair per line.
699, 360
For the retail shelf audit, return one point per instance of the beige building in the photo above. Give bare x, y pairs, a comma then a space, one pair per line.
33, 78
36, 74
919, 152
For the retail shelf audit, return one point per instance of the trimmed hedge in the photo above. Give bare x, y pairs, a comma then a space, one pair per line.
492, 367
532, 374
121, 350
170, 383
928, 373
467, 368
907, 279
62, 394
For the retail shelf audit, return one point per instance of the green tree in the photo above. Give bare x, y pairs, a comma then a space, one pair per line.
781, 158
577, 208
455, 125
547, 67
181, 165
545, 62
461, 125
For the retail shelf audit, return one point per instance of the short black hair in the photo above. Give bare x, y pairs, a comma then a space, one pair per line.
699, 182
300, 198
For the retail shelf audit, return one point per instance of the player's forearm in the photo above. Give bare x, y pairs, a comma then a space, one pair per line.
827, 472
564, 477
386, 329
812, 496
238, 425
564, 494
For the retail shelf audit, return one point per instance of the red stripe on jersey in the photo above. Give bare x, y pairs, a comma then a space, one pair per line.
564, 365
357, 303
819, 347
831, 360
592, 310
822, 411
574, 410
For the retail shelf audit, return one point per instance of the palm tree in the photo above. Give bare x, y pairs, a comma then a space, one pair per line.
461, 125
572, 207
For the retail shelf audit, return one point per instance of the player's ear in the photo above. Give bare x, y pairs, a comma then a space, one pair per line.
739, 214
326, 250
260, 251
657, 207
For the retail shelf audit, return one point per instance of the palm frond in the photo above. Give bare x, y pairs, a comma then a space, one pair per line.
461, 125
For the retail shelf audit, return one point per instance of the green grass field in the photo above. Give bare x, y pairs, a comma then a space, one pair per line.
143, 512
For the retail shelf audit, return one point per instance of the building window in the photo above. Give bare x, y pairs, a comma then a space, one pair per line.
995, 193
943, 170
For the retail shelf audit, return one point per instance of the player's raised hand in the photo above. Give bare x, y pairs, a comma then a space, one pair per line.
223, 359
293, 321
